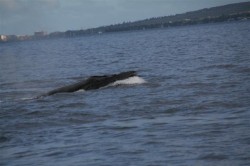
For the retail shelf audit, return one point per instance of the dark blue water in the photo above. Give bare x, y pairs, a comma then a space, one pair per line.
193, 110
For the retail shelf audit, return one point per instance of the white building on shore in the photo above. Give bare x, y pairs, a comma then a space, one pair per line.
3, 38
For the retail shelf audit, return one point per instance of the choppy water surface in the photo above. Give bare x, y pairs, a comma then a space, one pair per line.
193, 110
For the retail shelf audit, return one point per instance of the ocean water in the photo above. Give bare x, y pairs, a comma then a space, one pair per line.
190, 104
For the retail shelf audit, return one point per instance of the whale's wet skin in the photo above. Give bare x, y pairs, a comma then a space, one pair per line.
192, 110
96, 82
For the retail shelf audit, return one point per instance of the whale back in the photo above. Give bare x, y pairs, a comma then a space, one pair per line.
94, 82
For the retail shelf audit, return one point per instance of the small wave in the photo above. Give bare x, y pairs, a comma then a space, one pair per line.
213, 156
129, 81
219, 66
28, 98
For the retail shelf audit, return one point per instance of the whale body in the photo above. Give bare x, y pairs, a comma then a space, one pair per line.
93, 82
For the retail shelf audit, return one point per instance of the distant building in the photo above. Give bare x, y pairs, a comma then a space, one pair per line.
12, 38
23, 37
40, 34
56, 34
3, 38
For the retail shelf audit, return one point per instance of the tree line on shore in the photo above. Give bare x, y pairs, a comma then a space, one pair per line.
231, 12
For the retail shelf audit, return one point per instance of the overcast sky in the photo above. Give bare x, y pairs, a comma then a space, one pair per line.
27, 16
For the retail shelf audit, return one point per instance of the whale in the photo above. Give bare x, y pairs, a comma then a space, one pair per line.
93, 82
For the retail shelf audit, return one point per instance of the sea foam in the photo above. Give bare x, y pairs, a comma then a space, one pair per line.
129, 81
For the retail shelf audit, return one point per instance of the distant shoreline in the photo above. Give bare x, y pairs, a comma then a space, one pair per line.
231, 12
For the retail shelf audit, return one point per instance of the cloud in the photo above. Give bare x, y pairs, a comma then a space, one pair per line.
23, 15
14, 7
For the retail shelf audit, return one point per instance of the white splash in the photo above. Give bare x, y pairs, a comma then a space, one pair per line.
129, 81
28, 98
81, 90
